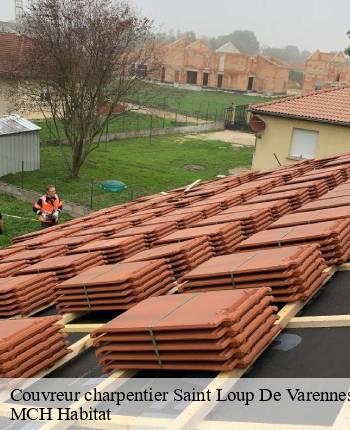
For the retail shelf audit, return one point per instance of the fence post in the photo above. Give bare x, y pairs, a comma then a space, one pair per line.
216, 113
22, 175
92, 194
164, 120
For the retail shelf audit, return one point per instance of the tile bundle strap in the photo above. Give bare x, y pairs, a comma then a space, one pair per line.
243, 262
151, 329
87, 297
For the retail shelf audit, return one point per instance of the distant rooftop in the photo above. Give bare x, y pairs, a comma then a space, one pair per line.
228, 48
329, 106
14, 124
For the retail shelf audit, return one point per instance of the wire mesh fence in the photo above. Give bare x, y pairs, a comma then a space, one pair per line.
85, 191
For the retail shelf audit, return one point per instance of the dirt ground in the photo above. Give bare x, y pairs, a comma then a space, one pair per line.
237, 138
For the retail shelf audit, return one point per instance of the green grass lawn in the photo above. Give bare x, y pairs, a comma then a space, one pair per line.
207, 103
145, 167
17, 226
129, 121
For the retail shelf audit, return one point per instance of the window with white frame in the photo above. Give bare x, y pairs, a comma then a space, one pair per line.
304, 143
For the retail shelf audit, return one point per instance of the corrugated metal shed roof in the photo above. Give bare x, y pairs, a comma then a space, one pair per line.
15, 124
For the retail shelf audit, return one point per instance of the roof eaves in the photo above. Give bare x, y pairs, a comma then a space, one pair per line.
301, 117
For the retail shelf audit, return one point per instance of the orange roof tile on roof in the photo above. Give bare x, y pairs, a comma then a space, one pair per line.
329, 106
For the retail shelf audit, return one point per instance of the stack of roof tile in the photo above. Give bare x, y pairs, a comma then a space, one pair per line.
339, 191
181, 257
223, 238
116, 286
28, 346
7, 252
344, 169
20, 295
315, 188
133, 220
333, 178
225, 200
296, 198
151, 233
114, 250
310, 217
324, 203
182, 220
207, 209
65, 267
9, 269
33, 256
292, 272
332, 236
216, 331
74, 241
104, 230
39, 241
277, 208
251, 221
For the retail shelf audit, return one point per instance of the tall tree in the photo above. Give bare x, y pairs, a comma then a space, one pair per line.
83, 55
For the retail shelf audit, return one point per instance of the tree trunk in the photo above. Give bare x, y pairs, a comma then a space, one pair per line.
77, 160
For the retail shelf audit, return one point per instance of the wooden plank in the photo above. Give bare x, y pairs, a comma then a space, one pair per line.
71, 316
320, 321
103, 386
189, 188
81, 328
344, 267
196, 412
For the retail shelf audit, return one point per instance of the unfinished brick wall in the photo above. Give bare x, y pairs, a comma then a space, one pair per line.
324, 70
195, 63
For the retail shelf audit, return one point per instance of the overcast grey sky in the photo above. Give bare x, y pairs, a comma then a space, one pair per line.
309, 24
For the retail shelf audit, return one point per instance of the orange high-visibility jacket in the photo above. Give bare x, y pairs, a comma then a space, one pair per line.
48, 205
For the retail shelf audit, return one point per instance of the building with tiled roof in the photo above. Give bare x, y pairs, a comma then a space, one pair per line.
302, 127
326, 70
12, 47
227, 68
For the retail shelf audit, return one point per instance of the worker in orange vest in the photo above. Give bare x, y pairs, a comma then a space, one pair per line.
48, 207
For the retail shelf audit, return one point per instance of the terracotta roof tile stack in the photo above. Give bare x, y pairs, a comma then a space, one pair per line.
114, 287
332, 236
277, 208
181, 257
207, 209
296, 198
38, 241
311, 217
321, 162
341, 161
10, 269
225, 200
182, 220
339, 191
223, 238
74, 241
180, 201
28, 346
293, 273
333, 178
151, 233
133, 220
157, 211
344, 169
315, 188
33, 256
114, 250
67, 266
21, 295
245, 191
251, 221
216, 331
325, 203
7, 252
104, 230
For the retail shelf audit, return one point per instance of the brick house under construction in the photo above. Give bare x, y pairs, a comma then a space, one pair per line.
326, 70
227, 68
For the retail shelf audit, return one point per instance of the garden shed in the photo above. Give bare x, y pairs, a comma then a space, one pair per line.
19, 145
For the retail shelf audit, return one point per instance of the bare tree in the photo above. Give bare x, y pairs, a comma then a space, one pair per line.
83, 55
